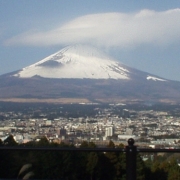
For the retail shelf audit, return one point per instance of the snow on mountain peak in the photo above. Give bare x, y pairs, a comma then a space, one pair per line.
78, 61
155, 78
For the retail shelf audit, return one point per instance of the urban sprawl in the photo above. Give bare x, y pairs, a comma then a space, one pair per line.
150, 125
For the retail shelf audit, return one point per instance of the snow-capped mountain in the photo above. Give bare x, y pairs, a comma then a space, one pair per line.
84, 74
76, 62
79, 62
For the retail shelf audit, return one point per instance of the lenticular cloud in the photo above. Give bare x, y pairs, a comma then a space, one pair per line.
110, 29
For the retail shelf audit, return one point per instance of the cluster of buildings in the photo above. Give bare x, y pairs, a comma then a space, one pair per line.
150, 127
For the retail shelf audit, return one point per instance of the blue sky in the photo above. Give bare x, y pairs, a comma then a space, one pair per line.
142, 34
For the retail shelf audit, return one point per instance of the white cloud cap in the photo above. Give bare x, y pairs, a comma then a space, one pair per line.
110, 29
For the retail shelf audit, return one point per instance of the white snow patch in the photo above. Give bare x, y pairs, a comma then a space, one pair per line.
155, 78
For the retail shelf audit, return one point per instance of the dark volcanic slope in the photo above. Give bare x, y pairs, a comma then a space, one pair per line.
106, 90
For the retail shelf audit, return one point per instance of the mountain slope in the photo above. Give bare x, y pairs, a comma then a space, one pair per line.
85, 74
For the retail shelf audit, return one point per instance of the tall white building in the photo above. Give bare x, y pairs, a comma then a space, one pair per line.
109, 131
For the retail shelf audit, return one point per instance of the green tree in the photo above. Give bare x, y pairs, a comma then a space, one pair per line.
92, 162
140, 170
1, 142
9, 141
173, 170
9, 167
43, 141
117, 162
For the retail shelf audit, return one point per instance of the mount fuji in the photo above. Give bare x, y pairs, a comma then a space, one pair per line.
81, 73
81, 62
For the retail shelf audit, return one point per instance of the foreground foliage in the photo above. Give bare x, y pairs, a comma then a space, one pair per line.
69, 165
